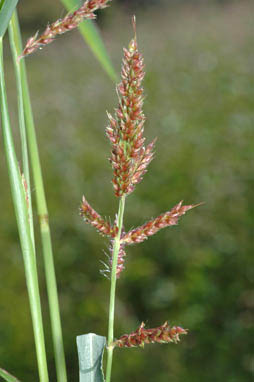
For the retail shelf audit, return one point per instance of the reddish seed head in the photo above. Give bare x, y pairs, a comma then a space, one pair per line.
70, 21
126, 129
142, 336
93, 218
139, 234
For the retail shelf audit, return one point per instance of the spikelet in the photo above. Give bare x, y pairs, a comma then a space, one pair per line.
139, 234
129, 157
94, 219
70, 21
142, 336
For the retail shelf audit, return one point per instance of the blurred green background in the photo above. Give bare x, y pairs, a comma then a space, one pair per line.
199, 89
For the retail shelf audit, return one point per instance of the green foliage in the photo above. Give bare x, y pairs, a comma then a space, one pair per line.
7, 376
22, 217
6, 9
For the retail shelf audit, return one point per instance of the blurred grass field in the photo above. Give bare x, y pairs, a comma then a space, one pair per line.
199, 89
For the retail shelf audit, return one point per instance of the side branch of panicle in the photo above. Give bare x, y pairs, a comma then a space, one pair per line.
138, 235
92, 217
142, 336
69, 22
129, 157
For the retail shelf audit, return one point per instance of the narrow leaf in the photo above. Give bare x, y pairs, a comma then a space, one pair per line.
7, 376
16, 48
42, 210
6, 9
21, 211
90, 353
91, 35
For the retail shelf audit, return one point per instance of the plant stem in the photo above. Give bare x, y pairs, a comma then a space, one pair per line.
21, 211
43, 219
14, 42
116, 248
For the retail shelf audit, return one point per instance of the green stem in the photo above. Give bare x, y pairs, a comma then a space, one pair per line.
43, 219
21, 211
15, 42
116, 248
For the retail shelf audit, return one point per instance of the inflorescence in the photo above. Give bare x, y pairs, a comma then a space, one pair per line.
129, 158
69, 22
162, 334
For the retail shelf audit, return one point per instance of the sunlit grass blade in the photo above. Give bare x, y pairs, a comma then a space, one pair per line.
91, 35
6, 9
15, 43
21, 211
57, 336
7, 376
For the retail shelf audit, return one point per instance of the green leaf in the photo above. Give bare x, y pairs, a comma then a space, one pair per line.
90, 353
21, 211
7, 377
6, 9
91, 35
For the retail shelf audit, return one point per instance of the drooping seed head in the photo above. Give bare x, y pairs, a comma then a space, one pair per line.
69, 22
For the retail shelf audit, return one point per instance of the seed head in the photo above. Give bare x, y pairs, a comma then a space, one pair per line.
129, 157
92, 217
166, 219
69, 22
142, 336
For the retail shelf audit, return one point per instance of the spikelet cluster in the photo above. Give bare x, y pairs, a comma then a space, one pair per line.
69, 22
139, 234
142, 336
94, 219
129, 156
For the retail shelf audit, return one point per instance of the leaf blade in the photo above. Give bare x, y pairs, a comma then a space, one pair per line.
91, 35
90, 353
6, 9
7, 376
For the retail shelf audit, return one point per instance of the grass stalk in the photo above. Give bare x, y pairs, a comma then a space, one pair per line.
14, 42
57, 336
113, 288
21, 211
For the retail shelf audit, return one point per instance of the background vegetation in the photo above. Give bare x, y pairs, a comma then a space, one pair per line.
200, 102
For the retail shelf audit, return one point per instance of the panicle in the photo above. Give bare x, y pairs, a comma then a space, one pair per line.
139, 234
129, 157
142, 336
92, 217
69, 22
